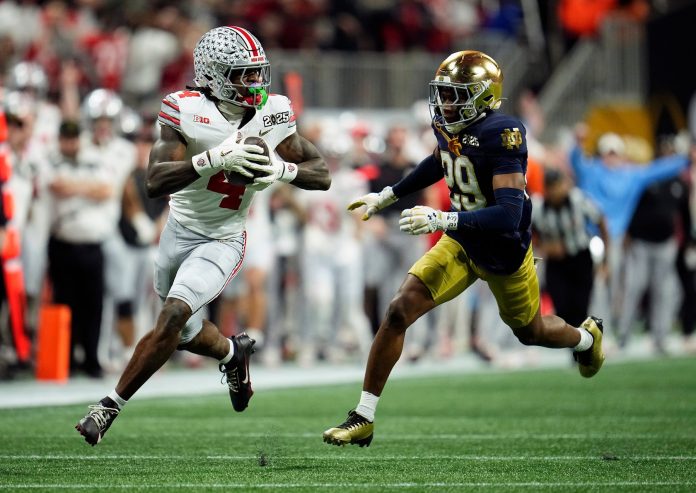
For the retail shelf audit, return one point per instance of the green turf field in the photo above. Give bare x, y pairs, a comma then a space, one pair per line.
631, 428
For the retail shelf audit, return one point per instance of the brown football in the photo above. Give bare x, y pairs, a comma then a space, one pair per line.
236, 178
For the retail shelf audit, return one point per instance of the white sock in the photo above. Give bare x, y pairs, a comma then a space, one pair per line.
367, 405
229, 356
586, 340
120, 401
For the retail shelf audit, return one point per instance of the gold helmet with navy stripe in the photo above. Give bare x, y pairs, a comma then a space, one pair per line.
466, 85
223, 59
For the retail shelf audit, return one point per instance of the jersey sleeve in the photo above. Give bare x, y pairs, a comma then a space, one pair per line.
505, 145
170, 113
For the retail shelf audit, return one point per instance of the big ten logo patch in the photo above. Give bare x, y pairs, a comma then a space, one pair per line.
201, 119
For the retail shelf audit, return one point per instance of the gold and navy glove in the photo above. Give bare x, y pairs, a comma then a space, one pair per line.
423, 220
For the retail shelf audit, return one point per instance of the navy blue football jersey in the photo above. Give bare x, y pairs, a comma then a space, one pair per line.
495, 145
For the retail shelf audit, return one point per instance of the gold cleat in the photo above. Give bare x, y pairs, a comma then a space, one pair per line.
355, 430
590, 361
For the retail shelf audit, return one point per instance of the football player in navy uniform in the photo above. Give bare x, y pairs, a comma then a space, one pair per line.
482, 154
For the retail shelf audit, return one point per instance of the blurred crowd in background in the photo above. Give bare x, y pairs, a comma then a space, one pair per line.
80, 85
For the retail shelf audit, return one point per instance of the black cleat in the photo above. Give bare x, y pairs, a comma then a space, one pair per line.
237, 371
99, 418
356, 430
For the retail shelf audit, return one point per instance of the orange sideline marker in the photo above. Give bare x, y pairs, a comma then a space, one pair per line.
53, 347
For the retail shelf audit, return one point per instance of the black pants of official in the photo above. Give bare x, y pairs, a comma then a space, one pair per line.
569, 283
687, 278
77, 275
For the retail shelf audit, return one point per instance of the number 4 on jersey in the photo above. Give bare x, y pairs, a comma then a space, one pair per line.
233, 193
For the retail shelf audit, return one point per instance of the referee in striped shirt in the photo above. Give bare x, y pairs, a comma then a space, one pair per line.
564, 220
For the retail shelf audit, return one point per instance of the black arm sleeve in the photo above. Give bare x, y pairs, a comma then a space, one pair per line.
502, 217
425, 174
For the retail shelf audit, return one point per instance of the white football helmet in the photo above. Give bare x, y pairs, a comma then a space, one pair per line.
28, 76
226, 53
19, 104
102, 103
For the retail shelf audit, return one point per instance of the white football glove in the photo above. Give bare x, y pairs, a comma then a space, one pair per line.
422, 220
230, 156
374, 202
278, 170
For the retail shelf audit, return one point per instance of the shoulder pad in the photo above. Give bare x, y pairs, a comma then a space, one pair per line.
278, 110
170, 112
503, 134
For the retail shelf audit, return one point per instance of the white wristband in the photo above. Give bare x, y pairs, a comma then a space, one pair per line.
387, 197
451, 220
289, 172
201, 163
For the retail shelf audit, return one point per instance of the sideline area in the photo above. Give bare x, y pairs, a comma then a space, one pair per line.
173, 381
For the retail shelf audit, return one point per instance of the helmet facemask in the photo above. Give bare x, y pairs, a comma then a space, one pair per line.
232, 84
232, 64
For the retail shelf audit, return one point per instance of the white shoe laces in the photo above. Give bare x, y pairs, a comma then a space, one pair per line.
232, 378
101, 414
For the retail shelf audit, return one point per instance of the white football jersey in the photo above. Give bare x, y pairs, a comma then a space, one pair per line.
210, 205
118, 157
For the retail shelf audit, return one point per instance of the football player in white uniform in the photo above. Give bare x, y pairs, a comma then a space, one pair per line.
202, 246
102, 142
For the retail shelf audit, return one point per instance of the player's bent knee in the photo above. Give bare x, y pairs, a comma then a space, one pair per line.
527, 335
173, 316
396, 315
403, 311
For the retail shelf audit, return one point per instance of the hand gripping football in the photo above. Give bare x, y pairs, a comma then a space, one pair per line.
238, 179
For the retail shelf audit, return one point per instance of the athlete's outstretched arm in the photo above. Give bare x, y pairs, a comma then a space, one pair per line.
504, 216
428, 172
169, 171
312, 173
